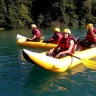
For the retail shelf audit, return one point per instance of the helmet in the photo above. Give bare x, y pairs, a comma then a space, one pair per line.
89, 25
57, 29
33, 26
67, 31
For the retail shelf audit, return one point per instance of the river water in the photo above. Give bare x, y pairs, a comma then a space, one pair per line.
21, 78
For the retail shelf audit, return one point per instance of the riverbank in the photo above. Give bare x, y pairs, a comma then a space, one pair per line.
2, 29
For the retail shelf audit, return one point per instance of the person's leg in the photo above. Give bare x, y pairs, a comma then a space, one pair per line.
78, 48
82, 45
62, 55
36, 40
54, 53
93, 45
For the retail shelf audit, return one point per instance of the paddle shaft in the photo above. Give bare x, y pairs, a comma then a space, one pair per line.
75, 56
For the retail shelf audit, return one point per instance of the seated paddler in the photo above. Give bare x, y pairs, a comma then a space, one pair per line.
55, 39
66, 46
90, 40
36, 34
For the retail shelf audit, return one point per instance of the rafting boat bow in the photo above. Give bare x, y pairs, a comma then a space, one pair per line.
21, 41
58, 65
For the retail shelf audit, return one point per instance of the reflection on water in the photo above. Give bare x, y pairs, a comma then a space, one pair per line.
21, 78
41, 80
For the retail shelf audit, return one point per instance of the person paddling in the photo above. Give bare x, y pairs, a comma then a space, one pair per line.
66, 46
56, 37
90, 39
36, 34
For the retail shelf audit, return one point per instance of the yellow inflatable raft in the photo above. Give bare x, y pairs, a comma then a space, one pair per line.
58, 65
21, 41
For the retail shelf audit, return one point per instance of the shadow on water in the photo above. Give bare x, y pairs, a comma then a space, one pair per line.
41, 80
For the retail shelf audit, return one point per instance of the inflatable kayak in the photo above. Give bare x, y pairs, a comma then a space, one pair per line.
21, 41
58, 65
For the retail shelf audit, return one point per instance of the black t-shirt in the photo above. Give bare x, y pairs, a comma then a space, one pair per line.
55, 37
34, 32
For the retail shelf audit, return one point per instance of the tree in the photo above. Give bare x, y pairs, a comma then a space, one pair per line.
3, 12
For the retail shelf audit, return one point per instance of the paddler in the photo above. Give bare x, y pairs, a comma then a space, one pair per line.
55, 39
66, 46
36, 34
90, 39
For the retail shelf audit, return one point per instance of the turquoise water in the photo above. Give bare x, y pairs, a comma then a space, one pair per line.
21, 78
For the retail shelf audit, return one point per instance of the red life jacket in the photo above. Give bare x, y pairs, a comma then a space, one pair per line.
57, 41
89, 36
64, 44
38, 33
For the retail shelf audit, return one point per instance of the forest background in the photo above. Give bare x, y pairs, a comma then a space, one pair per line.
44, 13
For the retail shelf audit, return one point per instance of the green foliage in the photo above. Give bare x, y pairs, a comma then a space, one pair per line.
94, 8
21, 24
40, 19
16, 13
24, 14
21, 13
3, 12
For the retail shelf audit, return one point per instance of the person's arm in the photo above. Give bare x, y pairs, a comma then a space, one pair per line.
50, 40
55, 37
34, 36
91, 31
67, 51
51, 50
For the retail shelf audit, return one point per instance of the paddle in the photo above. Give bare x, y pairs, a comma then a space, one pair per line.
42, 37
22, 40
89, 63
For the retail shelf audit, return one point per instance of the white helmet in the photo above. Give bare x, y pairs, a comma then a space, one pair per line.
33, 26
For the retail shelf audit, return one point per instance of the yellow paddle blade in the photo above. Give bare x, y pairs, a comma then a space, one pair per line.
42, 37
41, 40
89, 63
22, 40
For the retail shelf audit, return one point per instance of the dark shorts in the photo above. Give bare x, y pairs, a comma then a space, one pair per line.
55, 52
36, 40
88, 44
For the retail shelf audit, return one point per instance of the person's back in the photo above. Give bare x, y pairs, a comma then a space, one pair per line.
36, 34
56, 37
90, 39
90, 33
